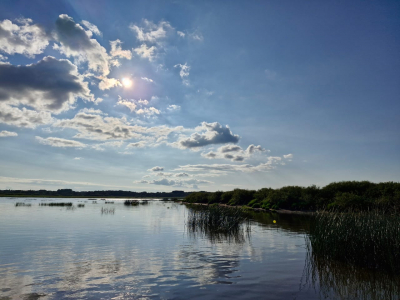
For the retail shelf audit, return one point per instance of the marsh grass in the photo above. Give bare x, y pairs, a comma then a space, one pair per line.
365, 239
81, 205
22, 204
56, 204
131, 202
338, 280
218, 223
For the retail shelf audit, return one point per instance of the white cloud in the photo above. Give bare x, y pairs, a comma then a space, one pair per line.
173, 107
151, 32
140, 144
233, 152
269, 165
184, 72
128, 103
26, 38
2, 57
108, 83
78, 158
76, 42
181, 34
59, 142
116, 50
289, 157
93, 111
147, 79
93, 28
97, 127
148, 111
145, 52
6, 133
23, 117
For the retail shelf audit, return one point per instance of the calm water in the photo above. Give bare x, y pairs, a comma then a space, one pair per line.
145, 252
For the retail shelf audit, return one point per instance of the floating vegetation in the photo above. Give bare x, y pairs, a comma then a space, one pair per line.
56, 204
107, 211
338, 280
218, 223
22, 204
81, 205
92, 199
109, 202
94, 202
131, 202
366, 239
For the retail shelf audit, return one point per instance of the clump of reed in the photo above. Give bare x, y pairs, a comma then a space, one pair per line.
218, 222
22, 204
81, 205
56, 204
366, 239
107, 211
131, 202
338, 280
109, 202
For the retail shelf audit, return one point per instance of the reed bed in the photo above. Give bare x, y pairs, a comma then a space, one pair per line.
81, 205
22, 204
109, 202
338, 280
107, 211
366, 239
218, 223
56, 204
131, 202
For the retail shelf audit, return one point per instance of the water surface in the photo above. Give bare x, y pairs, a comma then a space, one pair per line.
146, 252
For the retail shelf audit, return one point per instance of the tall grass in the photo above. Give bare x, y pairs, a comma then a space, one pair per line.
338, 280
56, 204
218, 223
366, 239
131, 202
22, 204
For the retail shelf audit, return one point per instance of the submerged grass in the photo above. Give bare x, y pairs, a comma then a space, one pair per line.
366, 239
218, 223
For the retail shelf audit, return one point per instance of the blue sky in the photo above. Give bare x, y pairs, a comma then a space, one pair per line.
198, 95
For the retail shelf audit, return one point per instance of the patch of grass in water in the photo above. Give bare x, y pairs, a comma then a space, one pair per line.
56, 204
365, 239
22, 204
218, 223
131, 202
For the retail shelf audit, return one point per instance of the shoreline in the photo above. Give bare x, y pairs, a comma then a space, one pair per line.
279, 211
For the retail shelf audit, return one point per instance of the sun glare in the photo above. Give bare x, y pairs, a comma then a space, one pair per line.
126, 82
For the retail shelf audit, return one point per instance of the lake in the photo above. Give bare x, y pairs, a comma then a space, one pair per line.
114, 251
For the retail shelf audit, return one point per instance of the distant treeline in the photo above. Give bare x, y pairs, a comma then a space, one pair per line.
99, 194
345, 195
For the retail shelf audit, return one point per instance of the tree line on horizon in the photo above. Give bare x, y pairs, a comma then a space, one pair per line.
339, 196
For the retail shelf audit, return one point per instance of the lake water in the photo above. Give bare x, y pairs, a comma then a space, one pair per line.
146, 252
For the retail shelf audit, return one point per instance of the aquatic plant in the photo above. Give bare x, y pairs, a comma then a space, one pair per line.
22, 204
367, 239
131, 202
56, 204
109, 202
334, 279
218, 222
81, 205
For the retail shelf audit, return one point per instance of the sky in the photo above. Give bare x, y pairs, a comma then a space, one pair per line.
198, 95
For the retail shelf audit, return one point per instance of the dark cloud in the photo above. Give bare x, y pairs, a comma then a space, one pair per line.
49, 85
214, 133
156, 169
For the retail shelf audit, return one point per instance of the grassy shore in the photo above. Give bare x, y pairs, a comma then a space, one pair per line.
337, 196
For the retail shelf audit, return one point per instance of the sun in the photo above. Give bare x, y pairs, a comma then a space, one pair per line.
126, 82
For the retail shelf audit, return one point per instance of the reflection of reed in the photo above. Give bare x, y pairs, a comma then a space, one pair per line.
106, 211
338, 280
218, 223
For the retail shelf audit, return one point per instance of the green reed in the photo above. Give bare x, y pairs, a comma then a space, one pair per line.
339, 280
366, 239
56, 204
217, 222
